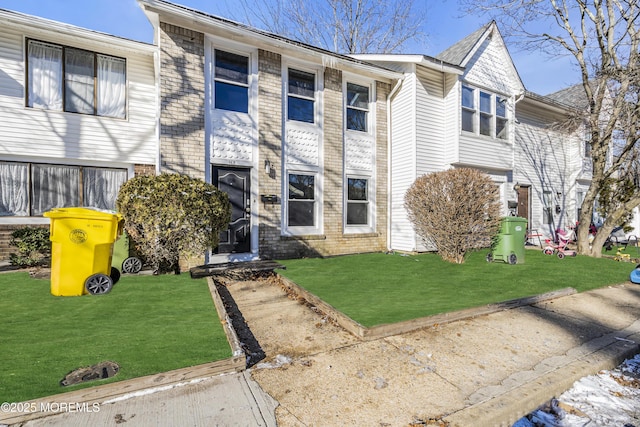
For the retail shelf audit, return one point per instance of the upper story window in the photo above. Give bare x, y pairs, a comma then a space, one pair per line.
301, 96
357, 107
484, 113
231, 90
63, 78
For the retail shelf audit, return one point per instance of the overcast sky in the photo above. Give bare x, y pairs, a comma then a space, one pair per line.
444, 26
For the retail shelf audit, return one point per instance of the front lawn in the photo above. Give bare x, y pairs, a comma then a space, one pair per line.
147, 324
375, 289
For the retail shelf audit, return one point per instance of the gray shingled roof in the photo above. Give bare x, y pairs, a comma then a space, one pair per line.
573, 95
459, 51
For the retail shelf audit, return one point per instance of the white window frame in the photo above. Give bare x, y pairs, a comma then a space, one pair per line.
316, 228
216, 79
369, 111
492, 114
370, 202
63, 82
314, 99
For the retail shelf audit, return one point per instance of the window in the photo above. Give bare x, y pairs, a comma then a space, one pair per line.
231, 90
301, 201
357, 201
468, 108
484, 113
501, 117
30, 189
74, 80
547, 214
357, 107
301, 96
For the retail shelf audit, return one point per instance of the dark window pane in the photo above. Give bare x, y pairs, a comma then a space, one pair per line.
485, 124
301, 187
357, 213
356, 120
357, 96
301, 83
357, 189
231, 97
54, 186
300, 110
501, 128
467, 120
501, 107
467, 97
301, 213
230, 66
485, 102
79, 81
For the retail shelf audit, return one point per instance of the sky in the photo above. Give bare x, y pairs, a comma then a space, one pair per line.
444, 25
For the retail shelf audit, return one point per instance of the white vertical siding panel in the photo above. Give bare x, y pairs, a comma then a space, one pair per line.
403, 163
430, 120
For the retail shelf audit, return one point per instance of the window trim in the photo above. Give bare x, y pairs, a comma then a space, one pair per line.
316, 228
370, 110
63, 80
215, 78
316, 94
80, 184
370, 202
492, 114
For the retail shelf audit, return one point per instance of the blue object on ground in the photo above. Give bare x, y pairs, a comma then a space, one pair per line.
635, 275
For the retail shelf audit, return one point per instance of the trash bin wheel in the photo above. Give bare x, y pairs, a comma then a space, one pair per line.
513, 259
489, 257
131, 265
98, 284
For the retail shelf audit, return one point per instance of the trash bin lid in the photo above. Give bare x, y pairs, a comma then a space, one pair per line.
82, 213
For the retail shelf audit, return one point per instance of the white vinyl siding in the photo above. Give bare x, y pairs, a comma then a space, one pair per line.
65, 136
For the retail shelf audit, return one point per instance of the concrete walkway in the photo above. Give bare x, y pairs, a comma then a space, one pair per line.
482, 371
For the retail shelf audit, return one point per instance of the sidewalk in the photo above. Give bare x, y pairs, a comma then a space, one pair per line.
482, 371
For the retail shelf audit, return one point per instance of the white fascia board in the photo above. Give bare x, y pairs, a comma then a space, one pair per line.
41, 26
425, 61
221, 27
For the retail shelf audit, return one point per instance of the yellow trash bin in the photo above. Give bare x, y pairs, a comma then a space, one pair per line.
82, 244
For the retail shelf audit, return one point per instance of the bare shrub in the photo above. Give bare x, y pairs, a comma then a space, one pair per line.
456, 210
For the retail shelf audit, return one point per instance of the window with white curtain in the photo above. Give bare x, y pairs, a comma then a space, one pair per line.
30, 189
91, 83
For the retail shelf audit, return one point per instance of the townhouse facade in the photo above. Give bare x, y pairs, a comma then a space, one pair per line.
467, 107
316, 150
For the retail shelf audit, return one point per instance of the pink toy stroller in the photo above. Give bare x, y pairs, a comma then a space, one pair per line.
560, 248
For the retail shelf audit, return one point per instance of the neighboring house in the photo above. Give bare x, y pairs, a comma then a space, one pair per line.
467, 107
296, 135
77, 118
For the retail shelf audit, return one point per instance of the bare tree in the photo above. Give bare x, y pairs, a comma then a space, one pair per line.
602, 37
342, 26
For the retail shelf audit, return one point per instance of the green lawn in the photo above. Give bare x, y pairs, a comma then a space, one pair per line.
375, 289
147, 324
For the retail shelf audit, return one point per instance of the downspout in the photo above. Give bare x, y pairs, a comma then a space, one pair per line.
390, 97
513, 154
156, 59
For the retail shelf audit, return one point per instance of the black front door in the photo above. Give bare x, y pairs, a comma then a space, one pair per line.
236, 182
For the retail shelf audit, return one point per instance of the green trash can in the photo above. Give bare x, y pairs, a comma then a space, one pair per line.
508, 244
121, 258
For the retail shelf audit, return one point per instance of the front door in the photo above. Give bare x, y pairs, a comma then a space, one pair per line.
236, 182
523, 203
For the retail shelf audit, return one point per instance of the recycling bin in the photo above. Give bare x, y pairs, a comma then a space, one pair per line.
508, 244
81, 249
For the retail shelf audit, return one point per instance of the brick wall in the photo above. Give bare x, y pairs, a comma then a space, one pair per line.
5, 238
333, 241
182, 89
